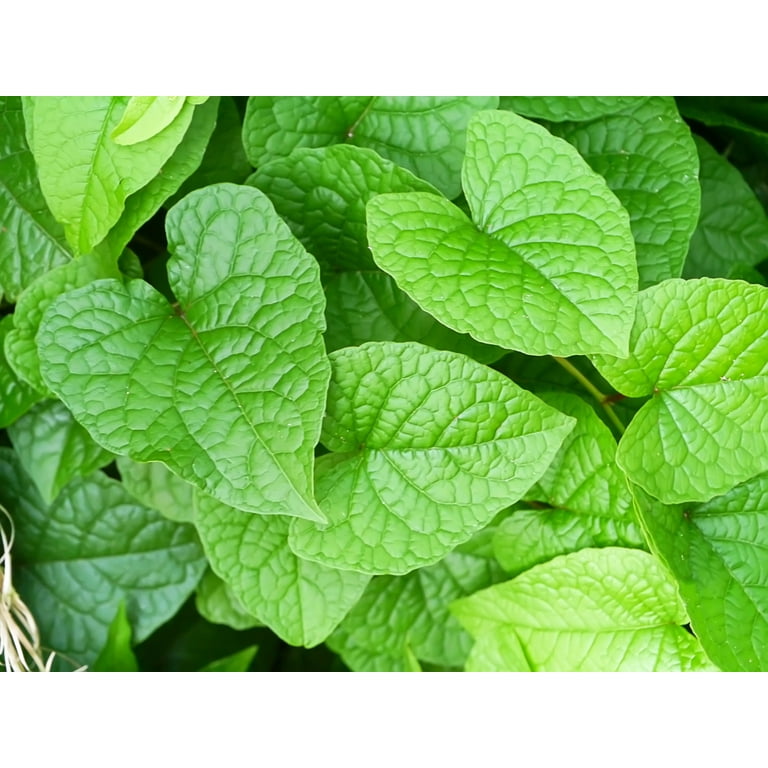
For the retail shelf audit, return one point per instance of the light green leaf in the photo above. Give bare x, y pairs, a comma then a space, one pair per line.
321, 194
16, 397
428, 446
31, 240
424, 134
589, 502
155, 486
117, 655
20, 345
145, 202
717, 553
145, 116
596, 610
497, 650
235, 662
547, 267
733, 229
368, 306
300, 601
558, 108
54, 449
216, 602
648, 158
179, 384
700, 348
85, 176
399, 612
92, 549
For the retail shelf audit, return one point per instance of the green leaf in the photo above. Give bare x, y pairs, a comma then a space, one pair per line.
145, 116
236, 662
155, 486
424, 134
300, 601
178, 384
20, 345
224, 159
648, 158
589, 502
93, 548
596, 610
216, 602
700, 348
428, 446
16, 397
54, 449
399, 612
547, 267
733, 229
717, 553
559, 108
31, 240
186, 158
117, 655
85, 176
321, 194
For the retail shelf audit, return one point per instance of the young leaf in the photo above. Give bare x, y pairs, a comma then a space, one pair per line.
145, 116
179, 385
646, 155
216, 602
547, 267
589, 502
733, 228
300, 601
427, 447
31, 240
117, 655
411, 611
186, 158
596, 610
560, 108
717, 553
20, 346
155, 486
235, 662
85, 176
53, 448
700, 347
424, 134
93, 548
16, 397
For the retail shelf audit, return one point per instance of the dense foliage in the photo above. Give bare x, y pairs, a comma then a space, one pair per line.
385, 383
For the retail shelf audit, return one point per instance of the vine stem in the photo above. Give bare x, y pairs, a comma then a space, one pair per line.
601, 398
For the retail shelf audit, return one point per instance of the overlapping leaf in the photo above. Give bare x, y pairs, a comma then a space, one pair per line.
733, 229
424, 134
596, 610
560, 108
427, 446
547, 266
179, 384
31, 240
53, 448
717, 553
700, 348
301, 601
16, 396
154, 485
76, 560
588, 503
648, 158
84, 175
216, 602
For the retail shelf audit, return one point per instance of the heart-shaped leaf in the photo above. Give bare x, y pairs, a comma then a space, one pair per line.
427, 446
227, 386
545, 266
700, 348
